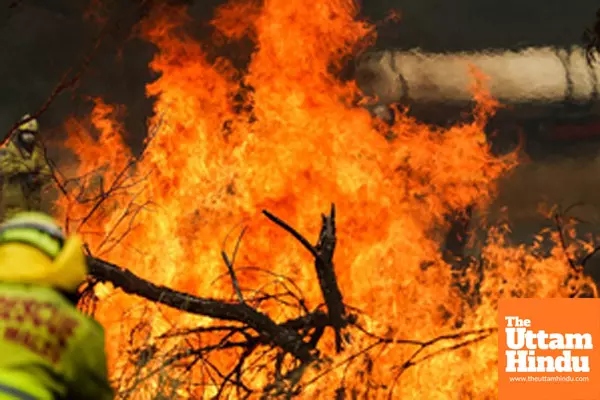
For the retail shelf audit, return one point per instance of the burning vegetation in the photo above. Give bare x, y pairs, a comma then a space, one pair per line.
273, 239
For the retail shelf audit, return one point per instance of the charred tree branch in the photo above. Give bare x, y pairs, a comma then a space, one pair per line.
285, 338
323, 253
248, 329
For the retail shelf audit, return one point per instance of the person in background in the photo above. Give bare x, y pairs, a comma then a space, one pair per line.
49, 350
24, 171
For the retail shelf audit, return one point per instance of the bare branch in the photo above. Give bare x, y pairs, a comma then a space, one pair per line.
130, 283
323, 253
293, 232
230, 264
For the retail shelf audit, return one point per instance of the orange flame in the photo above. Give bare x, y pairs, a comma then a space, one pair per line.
301, 147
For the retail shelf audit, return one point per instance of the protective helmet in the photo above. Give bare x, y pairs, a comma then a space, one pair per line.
31, 125
33, 249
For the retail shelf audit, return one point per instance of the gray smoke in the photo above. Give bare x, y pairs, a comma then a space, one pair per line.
532, 75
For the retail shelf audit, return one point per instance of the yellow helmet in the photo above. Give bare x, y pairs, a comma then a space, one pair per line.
30, 126
33, 249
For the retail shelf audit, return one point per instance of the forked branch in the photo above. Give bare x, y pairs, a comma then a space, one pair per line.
323, 252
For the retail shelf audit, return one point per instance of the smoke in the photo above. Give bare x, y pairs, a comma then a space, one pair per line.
533, 83
534, 189
475, 25
42, 39
565, 182
533, 75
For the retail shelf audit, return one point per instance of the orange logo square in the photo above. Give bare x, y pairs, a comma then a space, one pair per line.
549, 349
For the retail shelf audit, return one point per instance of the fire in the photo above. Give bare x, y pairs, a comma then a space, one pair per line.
302, 146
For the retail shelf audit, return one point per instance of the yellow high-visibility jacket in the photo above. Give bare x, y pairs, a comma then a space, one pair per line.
48, 349
23, 176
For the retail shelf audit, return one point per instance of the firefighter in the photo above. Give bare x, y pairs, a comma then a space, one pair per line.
48, 349
23, 170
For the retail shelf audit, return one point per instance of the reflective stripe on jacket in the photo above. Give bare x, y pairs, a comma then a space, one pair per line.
8, 392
